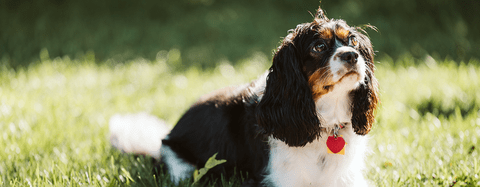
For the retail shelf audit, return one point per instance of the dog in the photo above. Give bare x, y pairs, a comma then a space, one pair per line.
320, 88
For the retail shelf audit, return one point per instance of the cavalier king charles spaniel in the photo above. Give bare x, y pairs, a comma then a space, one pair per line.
321, 87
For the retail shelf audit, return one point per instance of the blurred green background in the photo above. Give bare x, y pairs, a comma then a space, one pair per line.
208, 31
67, 66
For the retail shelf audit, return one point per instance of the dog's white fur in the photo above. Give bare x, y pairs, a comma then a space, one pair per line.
311, 165
138, 133
177, 168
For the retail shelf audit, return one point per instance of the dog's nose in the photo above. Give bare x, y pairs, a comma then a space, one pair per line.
350, 57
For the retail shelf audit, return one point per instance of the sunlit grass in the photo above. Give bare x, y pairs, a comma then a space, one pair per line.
54, 118
427, 125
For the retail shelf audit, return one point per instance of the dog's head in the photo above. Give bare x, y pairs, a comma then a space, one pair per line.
312, 59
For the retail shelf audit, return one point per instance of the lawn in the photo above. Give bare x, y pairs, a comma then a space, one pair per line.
54, 118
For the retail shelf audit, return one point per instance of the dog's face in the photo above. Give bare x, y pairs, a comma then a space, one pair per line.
332, 56
312, 60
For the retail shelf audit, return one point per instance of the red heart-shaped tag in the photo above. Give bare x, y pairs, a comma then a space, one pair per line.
335, 144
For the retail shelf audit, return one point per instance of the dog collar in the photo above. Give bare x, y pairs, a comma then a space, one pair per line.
337, 128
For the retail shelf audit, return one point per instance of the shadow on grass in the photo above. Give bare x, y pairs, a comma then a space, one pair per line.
438, 108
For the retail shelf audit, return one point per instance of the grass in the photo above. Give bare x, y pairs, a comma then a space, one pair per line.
415, 144
54, 118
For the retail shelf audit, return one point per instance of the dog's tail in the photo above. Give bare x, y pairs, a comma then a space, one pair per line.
138, 133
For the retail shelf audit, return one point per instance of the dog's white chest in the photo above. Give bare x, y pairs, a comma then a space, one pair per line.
335, 107
311, 165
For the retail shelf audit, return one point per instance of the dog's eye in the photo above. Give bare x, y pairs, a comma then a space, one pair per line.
352, 41
320, 47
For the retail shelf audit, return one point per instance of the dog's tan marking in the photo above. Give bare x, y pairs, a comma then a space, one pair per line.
354, 42
320, 82
326, 33
342, 33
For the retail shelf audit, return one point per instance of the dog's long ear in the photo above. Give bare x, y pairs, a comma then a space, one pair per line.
365, 98
287, 109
